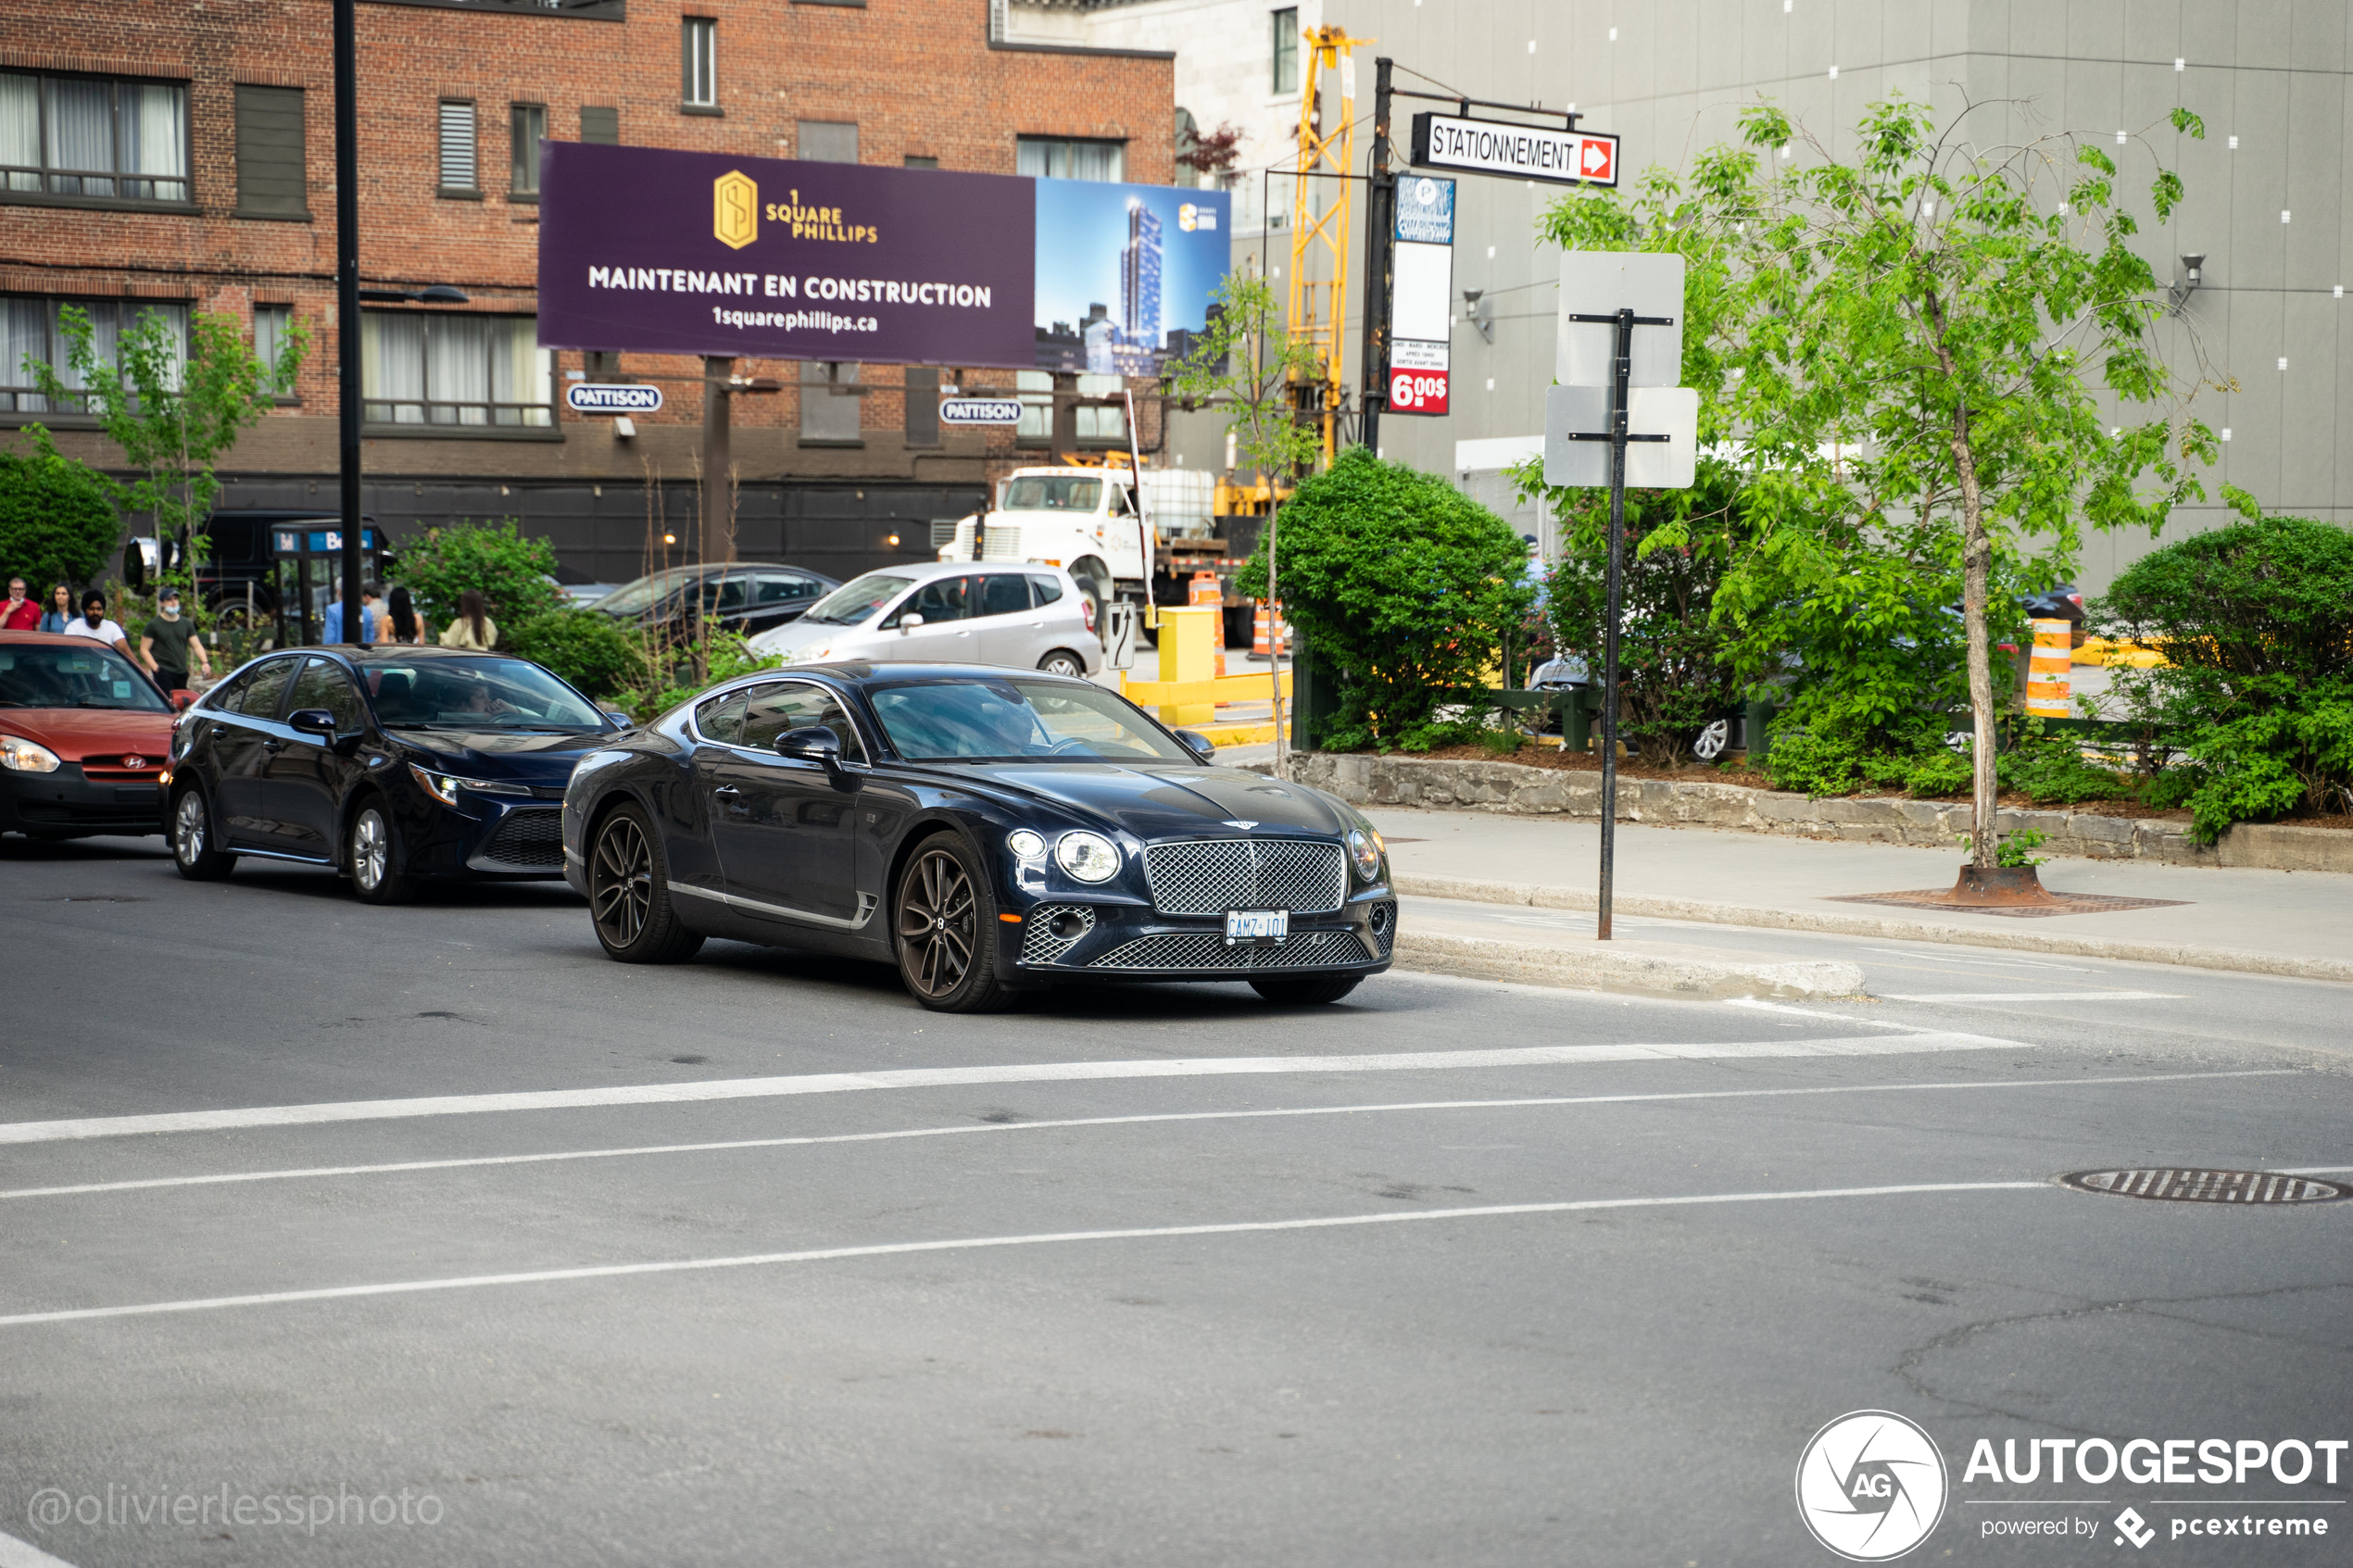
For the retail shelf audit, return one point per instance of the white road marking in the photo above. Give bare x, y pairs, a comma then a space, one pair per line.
2021, 963
964, 1243
1761, 1005
15, 1554
1965, 998
394, 1168
940, 1077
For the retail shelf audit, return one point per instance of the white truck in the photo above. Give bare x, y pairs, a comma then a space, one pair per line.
1086, 521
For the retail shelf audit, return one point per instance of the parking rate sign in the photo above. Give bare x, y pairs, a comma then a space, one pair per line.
1421, 294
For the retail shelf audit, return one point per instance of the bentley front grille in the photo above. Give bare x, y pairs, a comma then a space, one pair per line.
1208, 876
1208, 949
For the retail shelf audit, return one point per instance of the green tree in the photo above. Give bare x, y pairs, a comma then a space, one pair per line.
171, 415
1403, 584
1247, 364
512, 573
593, 652
1930, 330
57, 521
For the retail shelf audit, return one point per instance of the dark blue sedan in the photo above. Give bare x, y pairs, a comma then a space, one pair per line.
390, 764
989, 831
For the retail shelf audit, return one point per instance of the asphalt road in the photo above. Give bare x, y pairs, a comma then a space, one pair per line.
324, 1219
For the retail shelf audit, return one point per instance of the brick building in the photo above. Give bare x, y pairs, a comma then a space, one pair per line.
161, 154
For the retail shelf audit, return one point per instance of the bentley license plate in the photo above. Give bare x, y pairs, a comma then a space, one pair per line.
1257, 925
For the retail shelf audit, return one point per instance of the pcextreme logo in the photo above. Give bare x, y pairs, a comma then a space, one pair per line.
1870, 1485
734, 209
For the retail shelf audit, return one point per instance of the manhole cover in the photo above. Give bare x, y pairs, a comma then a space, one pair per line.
2185, 1185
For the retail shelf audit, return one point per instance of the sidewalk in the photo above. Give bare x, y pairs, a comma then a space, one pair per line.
2263, 922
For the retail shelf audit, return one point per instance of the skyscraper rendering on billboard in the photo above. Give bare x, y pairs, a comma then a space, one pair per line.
1124, 273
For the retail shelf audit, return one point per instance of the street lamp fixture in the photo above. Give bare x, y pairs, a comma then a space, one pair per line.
438, 294
2193, 267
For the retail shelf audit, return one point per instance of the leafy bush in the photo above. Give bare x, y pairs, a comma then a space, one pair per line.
510, 571
56, 523
682, 671
593, 652
2257, 621
1674, 670
1406, 586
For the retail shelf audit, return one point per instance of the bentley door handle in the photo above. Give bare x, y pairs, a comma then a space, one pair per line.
725, 791
270, 742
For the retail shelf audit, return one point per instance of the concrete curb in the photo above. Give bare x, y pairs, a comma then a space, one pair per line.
1591, 967
2033, 939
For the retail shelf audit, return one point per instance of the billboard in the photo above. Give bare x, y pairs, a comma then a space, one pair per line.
653, 250
1123, 272
668, 252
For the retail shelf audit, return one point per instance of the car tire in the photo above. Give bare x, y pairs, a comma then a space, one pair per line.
944, 916
372, 854
1094, 581
1062, 661
1306, 990
629, 899
196, 846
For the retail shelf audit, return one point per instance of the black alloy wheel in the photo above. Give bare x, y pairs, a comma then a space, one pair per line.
946, 923
196, 848
629, 895
1306, 990
372, 854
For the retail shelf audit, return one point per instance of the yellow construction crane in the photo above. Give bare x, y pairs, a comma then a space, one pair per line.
1326, 154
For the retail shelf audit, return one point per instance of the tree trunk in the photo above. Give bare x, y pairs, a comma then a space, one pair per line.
1275, 632
1976, 562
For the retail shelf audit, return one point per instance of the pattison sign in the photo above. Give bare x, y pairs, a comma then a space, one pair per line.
659, 251
1527, 152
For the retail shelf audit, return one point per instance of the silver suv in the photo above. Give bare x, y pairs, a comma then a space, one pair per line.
1026, 616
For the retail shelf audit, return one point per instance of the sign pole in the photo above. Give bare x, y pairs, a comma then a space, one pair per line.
348, 334
715, 493
1616, 594
1380, 250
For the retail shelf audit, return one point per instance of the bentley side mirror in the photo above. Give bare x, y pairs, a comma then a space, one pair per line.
312, 722
616, 715
810, 742
909, 622
1199, 744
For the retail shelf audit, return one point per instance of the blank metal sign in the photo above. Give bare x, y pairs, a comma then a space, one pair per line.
1671, 411
1602, 282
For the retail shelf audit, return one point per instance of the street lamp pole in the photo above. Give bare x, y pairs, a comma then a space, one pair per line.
347, 302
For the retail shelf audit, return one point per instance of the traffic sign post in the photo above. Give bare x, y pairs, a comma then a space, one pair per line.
1615, 292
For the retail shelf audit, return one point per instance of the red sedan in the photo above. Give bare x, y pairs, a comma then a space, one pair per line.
84, 739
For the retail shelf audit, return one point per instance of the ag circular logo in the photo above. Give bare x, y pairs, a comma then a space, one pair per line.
1870, 1485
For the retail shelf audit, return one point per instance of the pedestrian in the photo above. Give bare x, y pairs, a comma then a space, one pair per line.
60, 611
19, 614
93, 623
331, 632
168, 641
401, 623
472, 628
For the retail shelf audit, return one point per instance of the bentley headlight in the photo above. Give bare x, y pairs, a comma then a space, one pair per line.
21, 756
1365, 848
1025, 845
1090, 856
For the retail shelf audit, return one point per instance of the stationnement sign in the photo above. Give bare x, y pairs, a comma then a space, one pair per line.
1527, 152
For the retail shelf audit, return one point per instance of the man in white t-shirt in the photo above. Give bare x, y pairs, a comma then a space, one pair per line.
93, 623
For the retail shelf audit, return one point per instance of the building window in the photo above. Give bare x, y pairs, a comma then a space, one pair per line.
529, 123
827, 141
30, 329
270, 324
91, 137
460, 168
922, 406
917, 161
272, 173
431, 369
1286, 50
1050, 157
600, 123
699, 59
1097, 427
825, 415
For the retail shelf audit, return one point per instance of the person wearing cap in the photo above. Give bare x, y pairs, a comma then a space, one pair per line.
93, 623
166, 642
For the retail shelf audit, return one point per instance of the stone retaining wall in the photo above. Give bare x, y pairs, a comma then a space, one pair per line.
1516, 788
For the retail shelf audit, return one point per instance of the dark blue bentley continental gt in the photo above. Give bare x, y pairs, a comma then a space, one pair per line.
989, 831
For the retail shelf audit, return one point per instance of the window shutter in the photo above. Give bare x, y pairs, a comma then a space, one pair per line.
272, 176
600, 123
457, 147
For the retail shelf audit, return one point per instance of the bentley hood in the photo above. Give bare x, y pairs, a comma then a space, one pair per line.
1166, 800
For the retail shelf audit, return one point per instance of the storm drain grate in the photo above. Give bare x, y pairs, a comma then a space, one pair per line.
2187, 1184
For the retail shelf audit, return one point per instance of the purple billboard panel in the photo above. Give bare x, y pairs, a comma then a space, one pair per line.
662, 252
